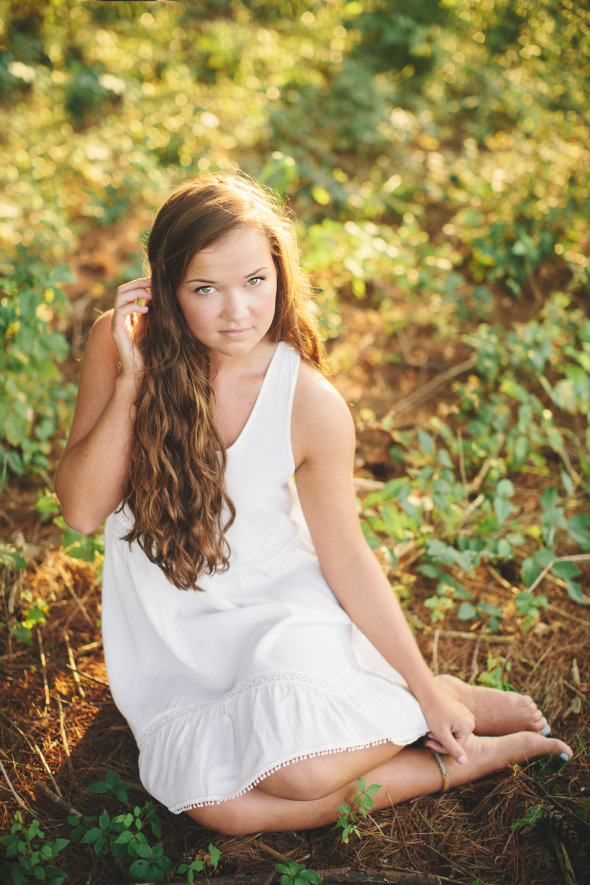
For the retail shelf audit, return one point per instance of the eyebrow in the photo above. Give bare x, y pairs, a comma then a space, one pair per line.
214, 282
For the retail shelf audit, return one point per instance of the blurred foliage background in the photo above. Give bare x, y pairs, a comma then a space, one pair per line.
437, 157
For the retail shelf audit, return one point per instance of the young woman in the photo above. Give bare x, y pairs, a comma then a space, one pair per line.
251, 638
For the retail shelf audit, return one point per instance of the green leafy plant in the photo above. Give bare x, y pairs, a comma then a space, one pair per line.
111, 784
27, 857
493, 675
34, 401
88, 548
198, 865
363, 803
297, 874
530, 819
124, 838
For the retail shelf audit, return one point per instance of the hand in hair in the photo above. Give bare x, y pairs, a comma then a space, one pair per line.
124, 320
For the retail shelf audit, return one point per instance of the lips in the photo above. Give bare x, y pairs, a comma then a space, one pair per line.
234, 333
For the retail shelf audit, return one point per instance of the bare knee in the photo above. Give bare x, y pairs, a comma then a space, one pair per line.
227, 818
303, 781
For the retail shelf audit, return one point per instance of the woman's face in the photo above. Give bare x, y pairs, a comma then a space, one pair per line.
229, 291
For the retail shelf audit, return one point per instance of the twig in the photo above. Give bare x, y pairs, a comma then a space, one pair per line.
34, 747
583, 695
427, 390
570, 467
565, 614
15, 794
474, 665
67, 581
469, 510
62, 728
44, 670
262, 846
563, 861
62, 665
57, 800
474, 485
435, 652
495, 574
480, 637
73, 664
579, 557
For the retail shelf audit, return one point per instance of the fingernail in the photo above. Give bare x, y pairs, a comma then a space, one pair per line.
546, 731
462, 760
564, 756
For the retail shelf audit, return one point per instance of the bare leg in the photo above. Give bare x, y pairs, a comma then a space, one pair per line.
405, 775
496, 712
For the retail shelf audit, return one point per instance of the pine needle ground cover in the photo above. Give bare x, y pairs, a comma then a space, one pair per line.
436, 159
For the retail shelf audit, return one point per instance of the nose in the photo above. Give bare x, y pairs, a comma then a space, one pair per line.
235, 306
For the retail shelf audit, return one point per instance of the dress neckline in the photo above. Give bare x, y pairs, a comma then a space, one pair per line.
258, 399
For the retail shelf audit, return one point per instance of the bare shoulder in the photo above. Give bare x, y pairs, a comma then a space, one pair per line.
98, 375
100, 339
322, 425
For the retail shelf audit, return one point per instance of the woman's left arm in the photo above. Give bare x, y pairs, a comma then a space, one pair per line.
323, 445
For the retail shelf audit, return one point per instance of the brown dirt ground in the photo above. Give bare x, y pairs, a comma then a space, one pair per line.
462, 835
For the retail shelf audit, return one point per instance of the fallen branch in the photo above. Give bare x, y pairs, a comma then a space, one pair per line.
482, 637
61, 803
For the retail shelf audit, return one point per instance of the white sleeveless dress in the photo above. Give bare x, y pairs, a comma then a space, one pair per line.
263, 667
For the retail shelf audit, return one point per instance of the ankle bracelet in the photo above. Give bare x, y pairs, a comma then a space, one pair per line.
443, 770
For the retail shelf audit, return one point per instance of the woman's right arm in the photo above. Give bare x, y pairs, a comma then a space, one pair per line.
93, 470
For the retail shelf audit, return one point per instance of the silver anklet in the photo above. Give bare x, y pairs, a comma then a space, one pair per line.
443, 770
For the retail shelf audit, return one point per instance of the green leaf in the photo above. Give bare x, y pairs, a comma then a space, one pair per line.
58, 846
430, 571
98, 787
549, 498
529, 571
425, 442
503, 508
488, 609
567, 482
125, 837
140, 870
505, 489
11, 557
92, 836
565, 570
574, 591
466, 612
577, 528
215, 854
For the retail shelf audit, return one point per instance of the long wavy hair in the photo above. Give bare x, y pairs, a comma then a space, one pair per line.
176, 488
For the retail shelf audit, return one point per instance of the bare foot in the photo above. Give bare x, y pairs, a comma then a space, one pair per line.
488, 754
496, 712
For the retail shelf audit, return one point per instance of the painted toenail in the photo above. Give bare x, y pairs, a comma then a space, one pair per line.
564, 756
462, 760
546, 731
